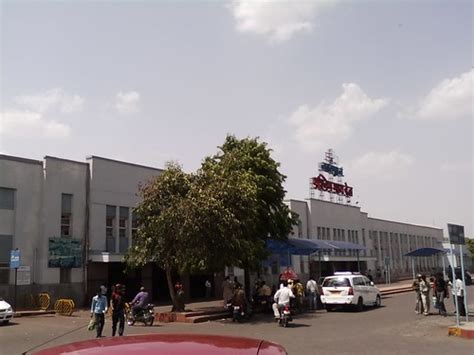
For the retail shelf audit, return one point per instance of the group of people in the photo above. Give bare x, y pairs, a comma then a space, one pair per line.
422, 287
100, 306
291, 292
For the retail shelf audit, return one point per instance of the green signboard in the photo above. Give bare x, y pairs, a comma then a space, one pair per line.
65, 252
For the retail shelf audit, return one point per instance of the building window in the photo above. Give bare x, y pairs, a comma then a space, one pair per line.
109, 228
7, 198
64, 275
300, 229
123, 222
6, 245
123, 229
302, 264
134, 226
319, 233
66, 215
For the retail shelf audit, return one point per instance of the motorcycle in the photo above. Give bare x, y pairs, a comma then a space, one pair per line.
146, 315
285, 316
237, 314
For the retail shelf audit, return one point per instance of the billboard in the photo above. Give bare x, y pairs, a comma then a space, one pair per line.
65, 252
456, 234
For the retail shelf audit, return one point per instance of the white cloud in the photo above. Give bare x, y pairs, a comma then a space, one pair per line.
127, 102
328, 124
51, 100
384, 166
24, 123
449, 100
457, 167
276, 20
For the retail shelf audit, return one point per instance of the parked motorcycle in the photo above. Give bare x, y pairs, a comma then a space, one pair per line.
146, 315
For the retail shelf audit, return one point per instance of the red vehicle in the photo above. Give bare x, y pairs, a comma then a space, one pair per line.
176, 344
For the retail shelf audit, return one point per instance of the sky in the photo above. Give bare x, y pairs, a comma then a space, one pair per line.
387, 84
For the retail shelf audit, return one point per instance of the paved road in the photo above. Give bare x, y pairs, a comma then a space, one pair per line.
392, 329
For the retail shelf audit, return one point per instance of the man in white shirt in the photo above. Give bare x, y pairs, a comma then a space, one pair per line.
311, 291
282, 298
458, 292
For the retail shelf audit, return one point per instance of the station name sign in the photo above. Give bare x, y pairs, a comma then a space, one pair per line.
456, 234
322, 184
331, 169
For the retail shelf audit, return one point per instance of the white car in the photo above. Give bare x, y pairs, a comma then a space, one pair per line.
6, 311
349, 289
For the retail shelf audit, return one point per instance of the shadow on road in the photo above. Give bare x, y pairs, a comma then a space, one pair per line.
298, 325
9, 324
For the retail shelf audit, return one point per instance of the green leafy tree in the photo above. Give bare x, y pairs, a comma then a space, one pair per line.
271, 216
219, 216
192, 222
470, 246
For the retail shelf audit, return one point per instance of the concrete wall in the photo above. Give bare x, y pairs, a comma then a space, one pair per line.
62, 177
24, 222
113, 183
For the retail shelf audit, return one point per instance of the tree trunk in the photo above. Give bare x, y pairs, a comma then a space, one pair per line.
169, 280
248, 289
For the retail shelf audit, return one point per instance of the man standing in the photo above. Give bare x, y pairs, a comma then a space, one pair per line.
370, 276
227, 290
425, 294
311, 290
458, 292
208, 287
440, 288
282, 298
416, 287
117, 303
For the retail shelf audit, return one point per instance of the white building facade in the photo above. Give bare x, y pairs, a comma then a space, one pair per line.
386, 242
73, 222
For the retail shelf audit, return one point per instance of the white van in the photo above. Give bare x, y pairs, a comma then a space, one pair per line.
6, 311
349, 289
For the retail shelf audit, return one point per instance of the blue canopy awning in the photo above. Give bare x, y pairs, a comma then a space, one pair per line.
299, 246
425, 252
339, 244
293, 246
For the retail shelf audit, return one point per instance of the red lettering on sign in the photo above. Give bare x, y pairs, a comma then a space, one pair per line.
321, 183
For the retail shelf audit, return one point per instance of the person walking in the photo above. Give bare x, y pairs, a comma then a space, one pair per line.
440, 288
98, 309
208, 287
416, 287
117, 304
311, 291
425, 294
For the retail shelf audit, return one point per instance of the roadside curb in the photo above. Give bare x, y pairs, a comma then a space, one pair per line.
20, 314
466, 331
396, 291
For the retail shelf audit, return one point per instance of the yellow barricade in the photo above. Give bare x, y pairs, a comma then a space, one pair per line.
43, 301
64, 307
